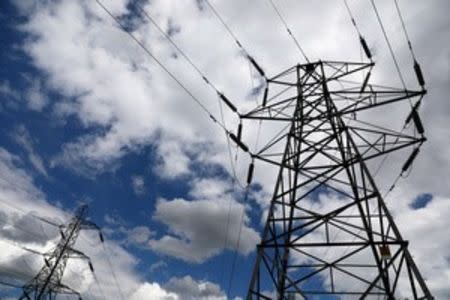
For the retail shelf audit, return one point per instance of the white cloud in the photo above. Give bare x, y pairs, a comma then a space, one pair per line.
173, 160
7, 91
138, 185
21, 201
157, 265
197, 229
152, 291
139, 235
35, 96
23, 138
191, 289
127, 106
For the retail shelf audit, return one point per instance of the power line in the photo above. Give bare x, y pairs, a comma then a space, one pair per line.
228, 29
404, 29
21, 247
362, 41
203, 76
388, 43
30, 234
10, 284
294, 39
238, 43
112, 272
238, 242
162, 66
185, 56
99, 286
28, 213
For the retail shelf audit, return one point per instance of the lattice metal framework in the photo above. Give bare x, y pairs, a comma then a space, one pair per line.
47, 283
348, 244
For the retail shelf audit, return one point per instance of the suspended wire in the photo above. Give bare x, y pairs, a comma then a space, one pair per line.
258, 132
185, 56
236, 40
235, 181
28, 213
202, 75
352, 18
99, 286
238, 242
15, 244
228, 29
29, 233
10, 284
162, 66
112, 272
388, 43
404, 29
363, 43
294, 39
17, 274
240, 184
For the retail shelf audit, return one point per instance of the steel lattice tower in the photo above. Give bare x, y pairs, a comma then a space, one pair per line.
47, 283
351, 247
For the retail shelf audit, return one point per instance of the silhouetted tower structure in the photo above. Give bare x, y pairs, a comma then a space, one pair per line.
347, 244
47, 283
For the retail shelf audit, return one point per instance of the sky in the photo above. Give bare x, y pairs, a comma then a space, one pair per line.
87, 117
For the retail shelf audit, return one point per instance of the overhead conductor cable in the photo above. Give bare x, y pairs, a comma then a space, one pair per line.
162, 66
388, 43
297, 44
238, 43
361, 38
191, 63
417, 68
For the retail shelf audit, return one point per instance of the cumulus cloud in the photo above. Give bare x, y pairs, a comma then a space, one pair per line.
153, 291
21, 201
191, 289
139, 235
126, 102
197, 227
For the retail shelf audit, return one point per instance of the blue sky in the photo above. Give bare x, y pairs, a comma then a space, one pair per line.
87, 117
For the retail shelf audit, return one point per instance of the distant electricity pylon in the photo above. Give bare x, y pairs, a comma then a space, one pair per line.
347, 244
47, 283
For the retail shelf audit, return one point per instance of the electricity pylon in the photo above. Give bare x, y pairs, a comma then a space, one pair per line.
47, 283
347, 243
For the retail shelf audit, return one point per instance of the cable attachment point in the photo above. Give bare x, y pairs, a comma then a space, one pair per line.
251, 168
365, 82
257, 67
227, 102
410, 116
410, 160
417, 122
239, 131
238, 142
266, 91
365, 47
91, 267
419, 74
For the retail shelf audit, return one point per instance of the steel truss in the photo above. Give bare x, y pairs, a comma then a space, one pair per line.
47, 283
348, 244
